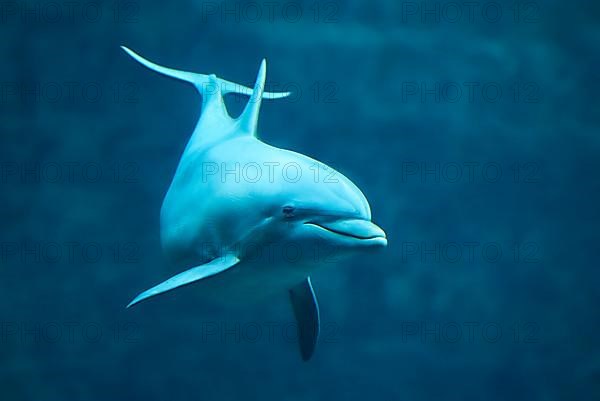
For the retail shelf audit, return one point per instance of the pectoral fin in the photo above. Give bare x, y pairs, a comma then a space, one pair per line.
189, 276
306, 310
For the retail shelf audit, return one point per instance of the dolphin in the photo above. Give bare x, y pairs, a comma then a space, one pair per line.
245, 220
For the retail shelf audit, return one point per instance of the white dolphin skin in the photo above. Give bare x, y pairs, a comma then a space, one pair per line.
247, 219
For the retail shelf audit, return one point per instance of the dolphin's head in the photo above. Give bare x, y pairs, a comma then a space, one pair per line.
322, 210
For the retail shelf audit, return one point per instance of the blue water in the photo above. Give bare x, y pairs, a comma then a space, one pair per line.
472, 128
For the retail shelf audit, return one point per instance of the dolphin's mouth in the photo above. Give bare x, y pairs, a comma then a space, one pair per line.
353, 228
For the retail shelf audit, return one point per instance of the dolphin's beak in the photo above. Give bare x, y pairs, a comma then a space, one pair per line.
359, 229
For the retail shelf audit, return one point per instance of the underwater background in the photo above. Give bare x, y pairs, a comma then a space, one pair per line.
471, 127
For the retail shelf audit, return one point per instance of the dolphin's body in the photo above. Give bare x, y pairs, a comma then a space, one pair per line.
248, 219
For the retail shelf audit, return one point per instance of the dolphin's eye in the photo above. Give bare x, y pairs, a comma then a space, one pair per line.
288, 211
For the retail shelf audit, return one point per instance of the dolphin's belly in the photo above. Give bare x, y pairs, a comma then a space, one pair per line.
251, 282
268, 267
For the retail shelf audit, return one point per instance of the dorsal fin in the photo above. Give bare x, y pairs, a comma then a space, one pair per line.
249, 117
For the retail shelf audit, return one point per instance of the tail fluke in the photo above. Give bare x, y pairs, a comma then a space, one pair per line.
202, 82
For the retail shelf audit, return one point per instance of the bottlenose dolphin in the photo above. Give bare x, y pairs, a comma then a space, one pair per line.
247, 219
